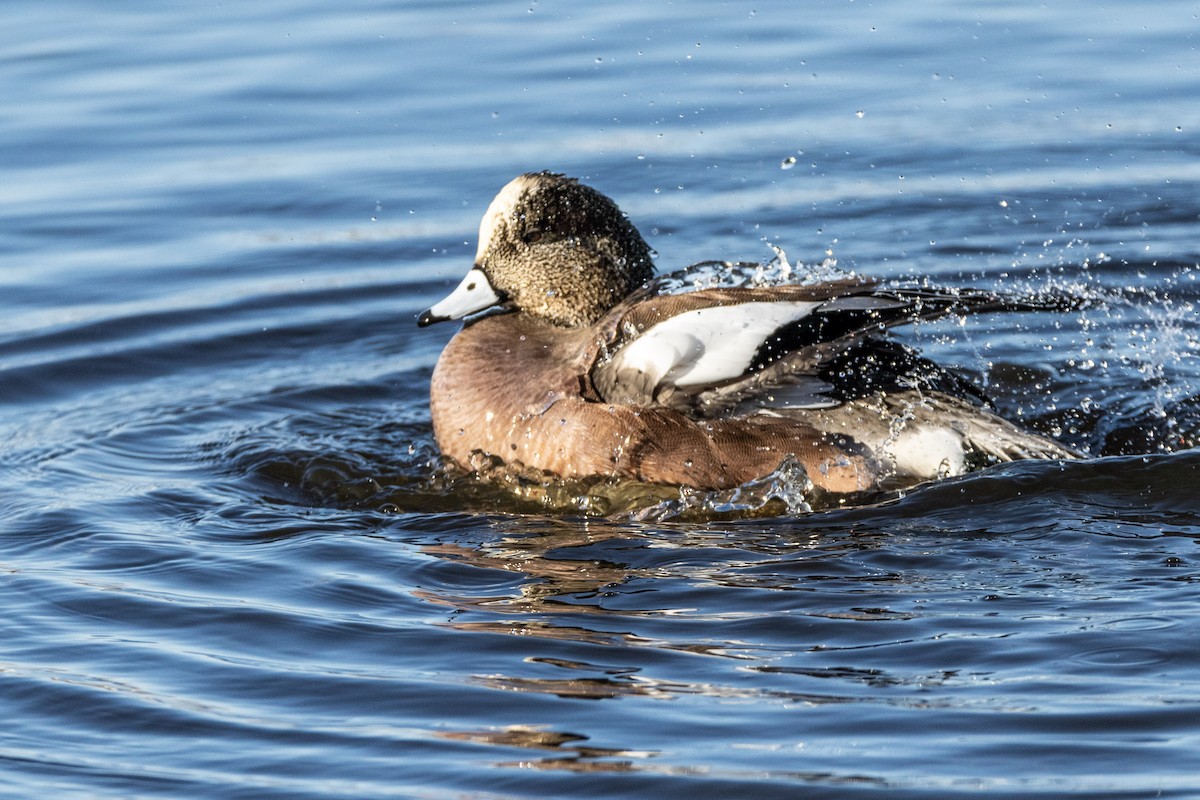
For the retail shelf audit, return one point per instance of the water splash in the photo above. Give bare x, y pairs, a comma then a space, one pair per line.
1116, 374
778, 271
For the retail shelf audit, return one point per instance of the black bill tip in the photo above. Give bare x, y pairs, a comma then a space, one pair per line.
427, 318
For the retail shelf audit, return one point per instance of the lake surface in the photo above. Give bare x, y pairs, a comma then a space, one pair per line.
232, 566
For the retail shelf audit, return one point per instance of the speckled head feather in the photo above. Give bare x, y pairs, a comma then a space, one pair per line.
559, 250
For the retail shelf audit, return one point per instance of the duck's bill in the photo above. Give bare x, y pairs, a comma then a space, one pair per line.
475, 293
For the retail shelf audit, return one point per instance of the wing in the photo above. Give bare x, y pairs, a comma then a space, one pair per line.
814, 346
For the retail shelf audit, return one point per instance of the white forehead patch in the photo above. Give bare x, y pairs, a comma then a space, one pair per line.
501, 207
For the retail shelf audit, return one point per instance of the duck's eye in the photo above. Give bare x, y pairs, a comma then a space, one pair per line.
533, 237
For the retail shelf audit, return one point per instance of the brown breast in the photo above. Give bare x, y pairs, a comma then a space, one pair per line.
511, 386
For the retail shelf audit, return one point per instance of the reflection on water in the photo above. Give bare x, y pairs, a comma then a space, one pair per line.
910, 601
567, 749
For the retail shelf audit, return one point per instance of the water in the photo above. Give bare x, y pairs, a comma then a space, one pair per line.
231, 567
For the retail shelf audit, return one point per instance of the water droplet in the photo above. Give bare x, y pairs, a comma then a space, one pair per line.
788, 162
860, 114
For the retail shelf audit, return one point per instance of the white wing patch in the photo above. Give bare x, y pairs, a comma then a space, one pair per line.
709, 345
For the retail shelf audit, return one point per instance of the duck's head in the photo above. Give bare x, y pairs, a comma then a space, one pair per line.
553, 248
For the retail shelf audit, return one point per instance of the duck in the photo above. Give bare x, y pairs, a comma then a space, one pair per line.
574, 361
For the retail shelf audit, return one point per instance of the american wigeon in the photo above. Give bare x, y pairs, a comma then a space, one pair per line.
592, 368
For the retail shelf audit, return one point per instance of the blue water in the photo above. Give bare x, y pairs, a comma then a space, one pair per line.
232, 566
